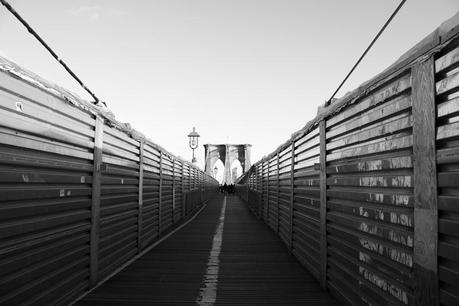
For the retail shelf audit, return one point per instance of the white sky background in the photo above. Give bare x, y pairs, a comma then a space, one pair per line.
240, 71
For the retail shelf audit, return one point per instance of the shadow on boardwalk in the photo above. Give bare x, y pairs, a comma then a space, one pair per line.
253, 267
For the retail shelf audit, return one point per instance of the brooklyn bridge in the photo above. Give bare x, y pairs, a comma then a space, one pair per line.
359, 207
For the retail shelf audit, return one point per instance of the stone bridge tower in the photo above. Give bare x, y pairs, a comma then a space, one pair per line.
227, 153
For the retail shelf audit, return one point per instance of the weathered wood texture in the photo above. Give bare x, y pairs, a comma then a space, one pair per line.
447, 153
353, 197
425, 185
366, 209
77, 198
323, 205
140, 199
95, 204
254, 268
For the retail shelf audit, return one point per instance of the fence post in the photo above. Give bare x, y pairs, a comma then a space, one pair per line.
160, 191
95, 204
292, 193
173, 190
183, 190
278, 194
425, 185
267, 194
201, 187
323, 204
260, 204
140, 208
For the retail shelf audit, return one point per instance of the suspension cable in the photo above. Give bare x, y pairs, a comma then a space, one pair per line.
31, 31
368, 48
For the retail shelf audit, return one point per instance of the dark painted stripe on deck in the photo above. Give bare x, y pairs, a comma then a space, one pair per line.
255, 268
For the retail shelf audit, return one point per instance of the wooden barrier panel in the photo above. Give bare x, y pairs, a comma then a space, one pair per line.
80, 196
375, 184
306, 201
370, 196
46, 182
447, 164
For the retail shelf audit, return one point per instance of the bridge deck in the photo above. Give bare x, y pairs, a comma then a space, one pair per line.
253, 267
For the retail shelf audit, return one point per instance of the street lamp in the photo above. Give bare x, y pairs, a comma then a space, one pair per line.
193, 142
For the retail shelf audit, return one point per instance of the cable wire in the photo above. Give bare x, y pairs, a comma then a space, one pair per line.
31, 31
368, 48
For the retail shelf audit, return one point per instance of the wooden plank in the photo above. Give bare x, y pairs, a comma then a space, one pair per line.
425, 185
389, 126
386, 181
41, 113
140, 209
26, 91
323, 205
449, 59
397, 105
399, 141
14, 137
121, 136
448, 131
382, 162
95, 206
107, 159
448, 156
447, 84
448, 107
117, 151
307, 154
391, 89
305, 136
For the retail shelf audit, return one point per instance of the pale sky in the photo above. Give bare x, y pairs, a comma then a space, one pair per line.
240, 71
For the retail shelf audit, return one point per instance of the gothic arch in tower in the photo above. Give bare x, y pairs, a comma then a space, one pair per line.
227, 153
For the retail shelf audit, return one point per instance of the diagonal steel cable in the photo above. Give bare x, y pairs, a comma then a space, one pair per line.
367, 49
51, 51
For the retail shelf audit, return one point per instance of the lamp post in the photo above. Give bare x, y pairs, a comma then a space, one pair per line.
193, 142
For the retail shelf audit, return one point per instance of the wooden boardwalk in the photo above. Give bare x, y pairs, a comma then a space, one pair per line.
248, 266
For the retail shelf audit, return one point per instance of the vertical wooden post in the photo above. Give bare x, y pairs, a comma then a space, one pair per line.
425, 185
260, 204
278, 194
201, 186
140, 208
267, 194
292, 192
323, 204
173, 190
183, 191
95, 205
160, 192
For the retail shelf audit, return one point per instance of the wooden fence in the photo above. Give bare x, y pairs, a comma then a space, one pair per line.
366, 196
80, 194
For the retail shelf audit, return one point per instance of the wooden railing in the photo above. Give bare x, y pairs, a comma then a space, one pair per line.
80, 194
366, 196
